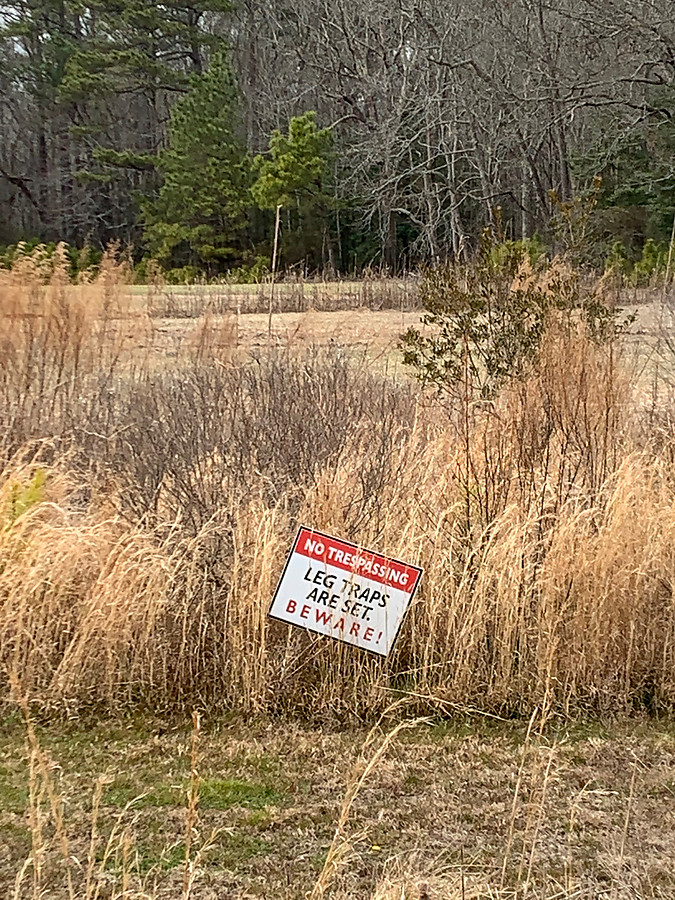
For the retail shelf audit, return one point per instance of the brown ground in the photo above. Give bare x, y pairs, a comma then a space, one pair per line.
374, 329
594, 814
378, 329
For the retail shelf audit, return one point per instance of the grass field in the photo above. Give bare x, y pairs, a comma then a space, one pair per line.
469, 808
191, 301
159, 447
371, 334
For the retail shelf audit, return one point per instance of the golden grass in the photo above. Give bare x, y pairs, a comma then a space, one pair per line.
544, 521
60, 342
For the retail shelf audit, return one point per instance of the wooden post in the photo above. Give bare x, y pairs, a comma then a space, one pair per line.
274, 270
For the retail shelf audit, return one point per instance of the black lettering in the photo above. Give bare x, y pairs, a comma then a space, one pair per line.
308, 574
366, 613
323, 596
333, 602
312, 594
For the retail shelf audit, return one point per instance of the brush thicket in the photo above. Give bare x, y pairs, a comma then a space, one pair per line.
138, 567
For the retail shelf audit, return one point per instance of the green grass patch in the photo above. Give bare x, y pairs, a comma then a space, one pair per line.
230, 850
260, 766
214, 793
234, 851
171, 857
13, 790
150, 857
224, 793
259, 819
126, 790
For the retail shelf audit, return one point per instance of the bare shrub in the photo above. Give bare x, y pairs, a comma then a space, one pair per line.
187, 442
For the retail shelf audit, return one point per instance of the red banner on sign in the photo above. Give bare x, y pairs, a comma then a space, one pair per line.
350, 558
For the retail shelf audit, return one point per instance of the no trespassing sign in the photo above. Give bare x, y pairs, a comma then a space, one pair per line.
336, 588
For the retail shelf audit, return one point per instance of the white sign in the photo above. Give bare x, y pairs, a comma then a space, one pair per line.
336, 588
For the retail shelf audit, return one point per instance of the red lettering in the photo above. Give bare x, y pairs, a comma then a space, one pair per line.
290, 606
304, 612
340, 625
322, 617
368, 633
351, 630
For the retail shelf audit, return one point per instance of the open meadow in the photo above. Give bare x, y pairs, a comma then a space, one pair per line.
159, 447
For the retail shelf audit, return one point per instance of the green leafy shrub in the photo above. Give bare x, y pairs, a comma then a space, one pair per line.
183, 275
652, 263
253, 273
486, 324
509, 255
81, 261
617, 260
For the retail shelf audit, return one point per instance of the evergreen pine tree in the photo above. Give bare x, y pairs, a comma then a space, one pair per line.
199, 216
294, 175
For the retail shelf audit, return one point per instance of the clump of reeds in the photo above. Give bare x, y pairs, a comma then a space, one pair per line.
85, 588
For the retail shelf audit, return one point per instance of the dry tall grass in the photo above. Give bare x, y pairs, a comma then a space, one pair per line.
137, 565
61, 344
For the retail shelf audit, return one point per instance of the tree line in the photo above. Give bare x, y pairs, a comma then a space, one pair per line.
386, 132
